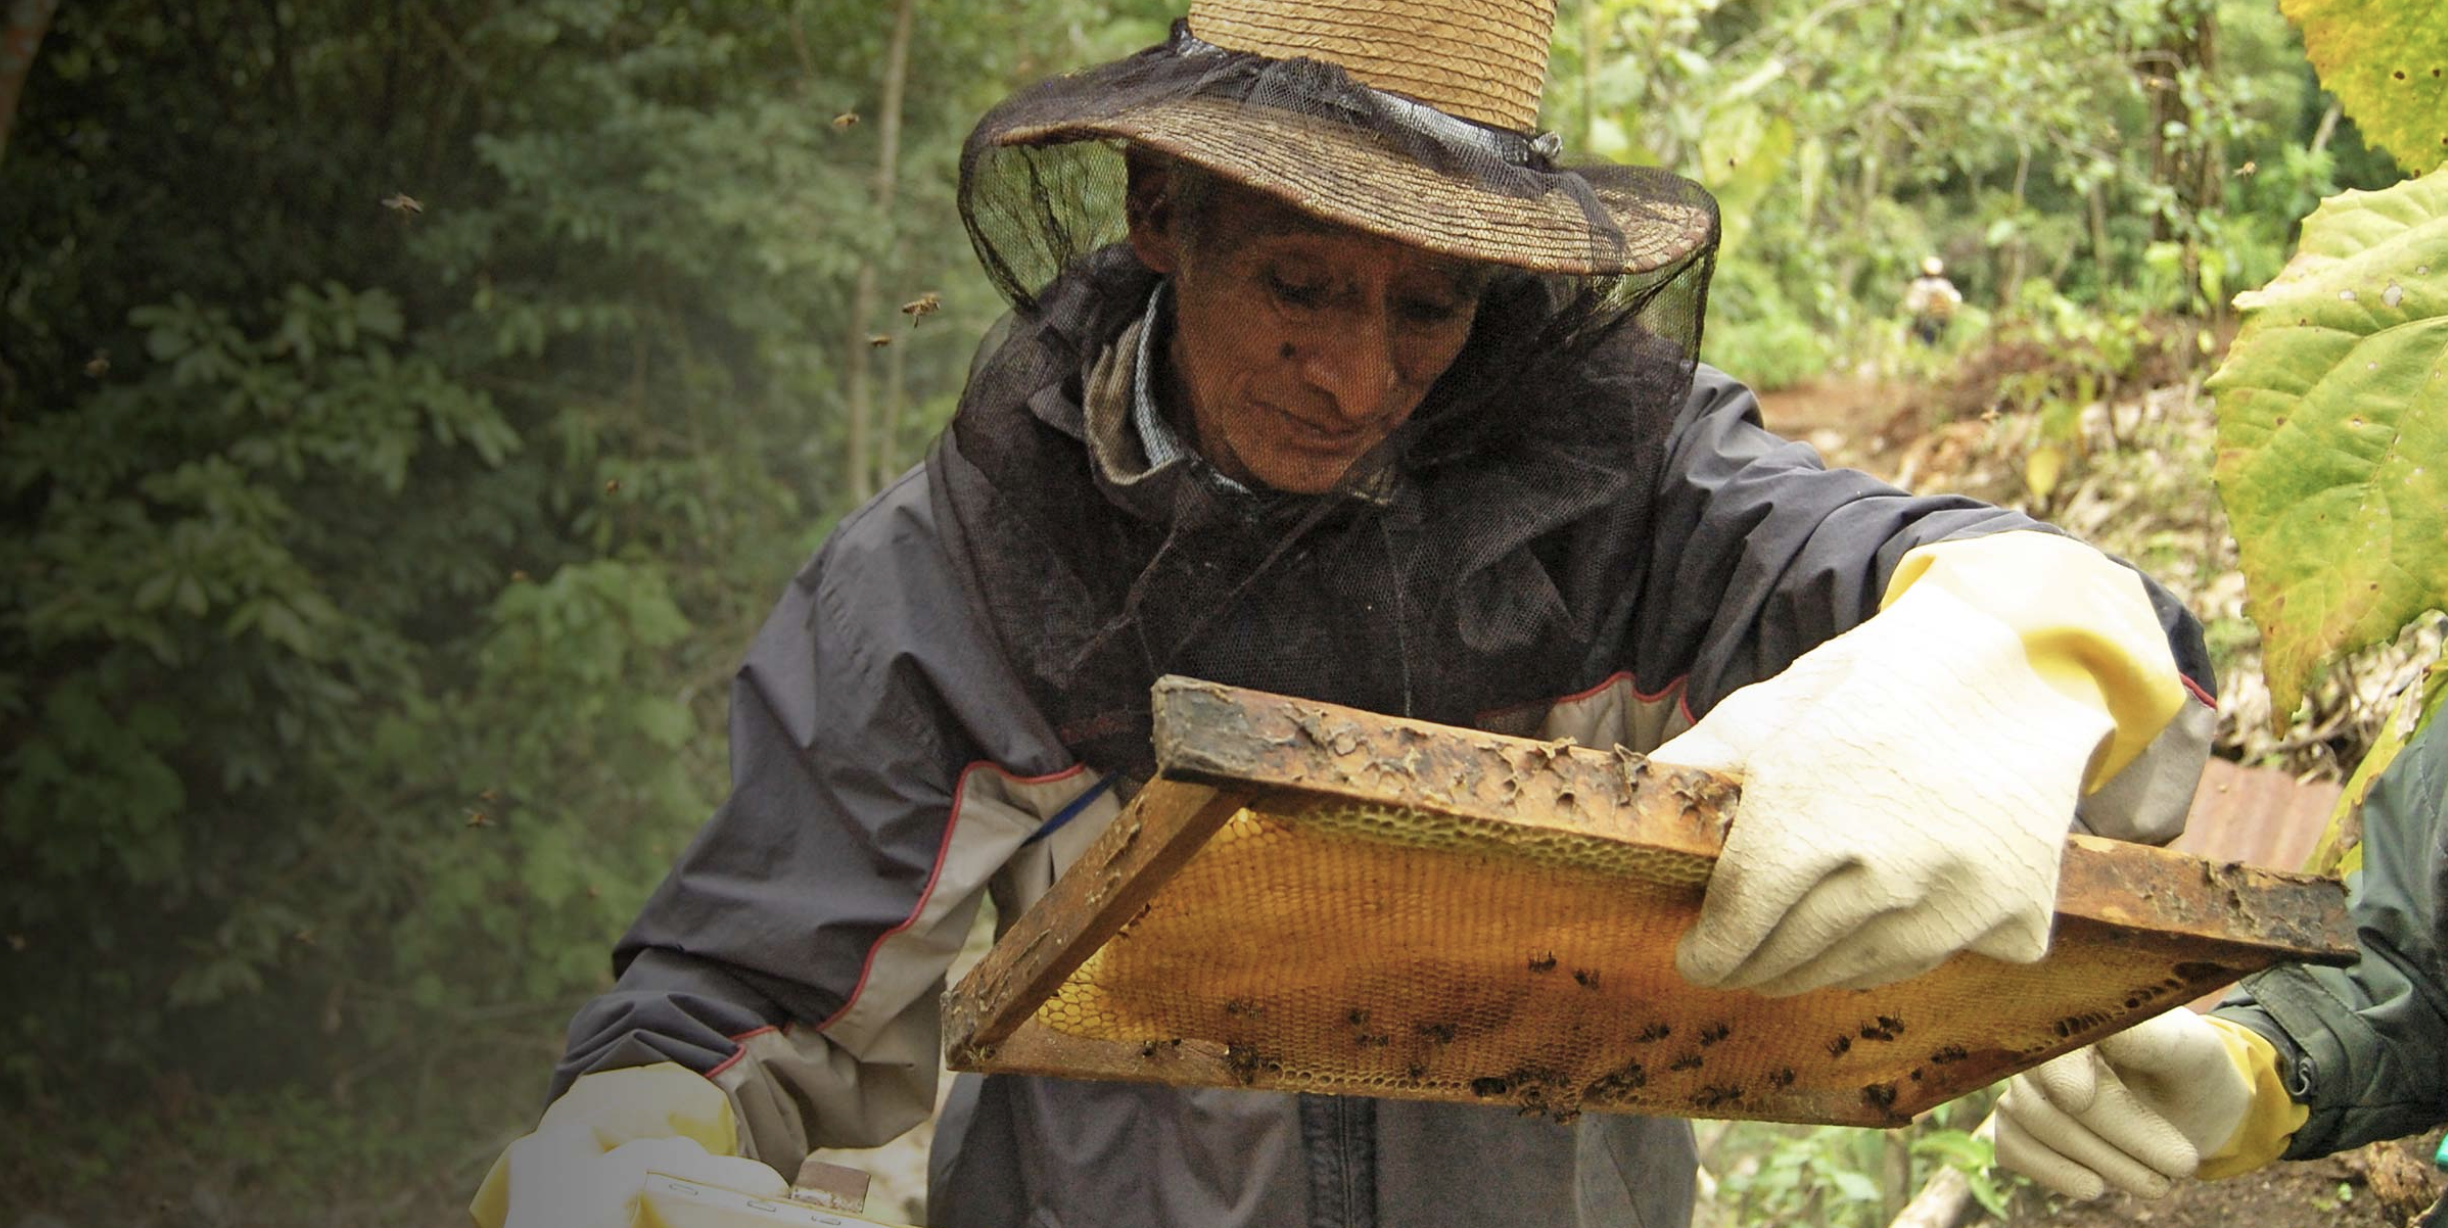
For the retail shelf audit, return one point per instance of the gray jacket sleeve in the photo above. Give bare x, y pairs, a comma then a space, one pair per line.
885, 767
1761, 553
2365, 1047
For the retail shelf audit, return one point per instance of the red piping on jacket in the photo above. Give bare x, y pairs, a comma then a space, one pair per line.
943, 850
740, 1040
1647, 697
2207, 699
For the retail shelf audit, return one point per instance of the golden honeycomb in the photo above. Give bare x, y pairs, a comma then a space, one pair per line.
1499, 924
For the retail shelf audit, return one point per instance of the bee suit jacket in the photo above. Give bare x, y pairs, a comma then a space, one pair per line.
937, 712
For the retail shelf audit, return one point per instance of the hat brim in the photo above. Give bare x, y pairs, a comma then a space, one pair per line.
1345, 177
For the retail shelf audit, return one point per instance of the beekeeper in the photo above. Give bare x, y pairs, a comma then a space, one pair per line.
1326, 376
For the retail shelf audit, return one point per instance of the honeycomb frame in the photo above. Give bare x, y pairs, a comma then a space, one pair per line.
1313, 898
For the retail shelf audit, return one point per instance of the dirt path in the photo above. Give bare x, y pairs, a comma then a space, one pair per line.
1855, 422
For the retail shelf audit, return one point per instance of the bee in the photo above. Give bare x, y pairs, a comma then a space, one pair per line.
478, 818
98, 365
1243, 1062
878, 340
1713, 1033
518, 576
1689, 1061
922, 306
1544, 961
403, 204
1881, 1096
1440, 1033
1717, 1095
2246, 171
1587, 977
304, 937
1781, 1078
1491, 1086
611, 486
1946, 1054
1840, 1046
1357, 1017
1653, 1033
845, 121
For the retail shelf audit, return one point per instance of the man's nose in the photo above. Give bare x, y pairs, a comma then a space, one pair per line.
1353, 364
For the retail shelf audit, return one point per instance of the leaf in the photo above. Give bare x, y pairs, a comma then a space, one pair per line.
2041, 470
2333, 432
1854, 1186
2387, 61
2340, 850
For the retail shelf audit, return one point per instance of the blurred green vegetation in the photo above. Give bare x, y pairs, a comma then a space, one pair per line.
408, 411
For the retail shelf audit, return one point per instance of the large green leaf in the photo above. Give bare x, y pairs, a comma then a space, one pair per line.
2387, 61
2333, 431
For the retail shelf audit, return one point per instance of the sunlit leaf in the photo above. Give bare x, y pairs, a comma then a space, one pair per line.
2387, 61
2333, 432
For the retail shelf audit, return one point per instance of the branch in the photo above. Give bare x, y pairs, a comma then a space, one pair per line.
27, 20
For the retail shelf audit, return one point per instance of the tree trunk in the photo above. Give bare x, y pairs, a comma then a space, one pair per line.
887, 190
859, 462
27, 20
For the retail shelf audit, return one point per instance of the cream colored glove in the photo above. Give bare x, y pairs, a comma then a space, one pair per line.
2174, 1096
587, 1161
1907, 786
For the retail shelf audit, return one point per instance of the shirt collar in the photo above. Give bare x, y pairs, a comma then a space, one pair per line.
1156, 436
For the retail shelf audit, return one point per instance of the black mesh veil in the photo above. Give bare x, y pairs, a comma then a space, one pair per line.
1474, 555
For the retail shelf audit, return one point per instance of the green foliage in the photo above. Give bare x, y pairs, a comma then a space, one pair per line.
406, 417
2333, 429
1839, 1177
2387, 61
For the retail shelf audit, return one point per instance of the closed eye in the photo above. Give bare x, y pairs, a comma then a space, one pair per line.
1296, 294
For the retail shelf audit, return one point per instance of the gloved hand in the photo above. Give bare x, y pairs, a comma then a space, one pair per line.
587, 1161
2176, 1095
1907, 785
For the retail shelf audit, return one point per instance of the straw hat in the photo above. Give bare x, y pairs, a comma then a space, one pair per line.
1412, 119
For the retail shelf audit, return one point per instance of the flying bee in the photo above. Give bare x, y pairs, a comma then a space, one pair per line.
98, 365
403, 204
878, 340
922, 306
845, 121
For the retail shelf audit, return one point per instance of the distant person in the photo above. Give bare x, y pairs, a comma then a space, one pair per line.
1931, 301
2298, 1063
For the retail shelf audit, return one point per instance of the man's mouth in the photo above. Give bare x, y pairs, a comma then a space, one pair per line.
1308, 436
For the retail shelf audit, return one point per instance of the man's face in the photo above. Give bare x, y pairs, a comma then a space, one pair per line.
1299, 345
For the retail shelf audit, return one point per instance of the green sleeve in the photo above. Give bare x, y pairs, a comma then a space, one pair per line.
2366, 1047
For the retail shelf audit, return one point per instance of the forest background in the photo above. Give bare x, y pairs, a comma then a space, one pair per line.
408, 410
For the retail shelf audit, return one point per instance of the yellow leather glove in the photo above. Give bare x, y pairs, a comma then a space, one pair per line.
1907, 785
587, 1161
2177, 1095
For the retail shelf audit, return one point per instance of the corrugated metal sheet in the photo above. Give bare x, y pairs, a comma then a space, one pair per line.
2259, 816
